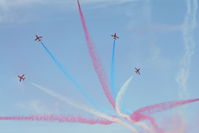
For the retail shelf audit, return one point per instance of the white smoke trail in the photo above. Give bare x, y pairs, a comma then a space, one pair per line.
119, 97
126, 116
84, 108
189, 43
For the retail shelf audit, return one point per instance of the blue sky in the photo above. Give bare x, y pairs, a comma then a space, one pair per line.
151, 37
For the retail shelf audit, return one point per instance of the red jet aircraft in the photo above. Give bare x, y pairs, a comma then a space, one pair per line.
21, 77
38, 38
115, 36
137, 70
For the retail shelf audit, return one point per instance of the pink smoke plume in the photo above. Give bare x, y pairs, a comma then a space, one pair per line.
175, 123
95, 60
62, 119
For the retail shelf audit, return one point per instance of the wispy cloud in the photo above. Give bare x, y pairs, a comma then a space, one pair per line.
158, 28
9, 8
141, 24
7, 4
39, 107
189, 45
109, 2
18, 3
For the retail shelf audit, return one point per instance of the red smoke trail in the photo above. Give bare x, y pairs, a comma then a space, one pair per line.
62, 119
95, 60
137, 115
